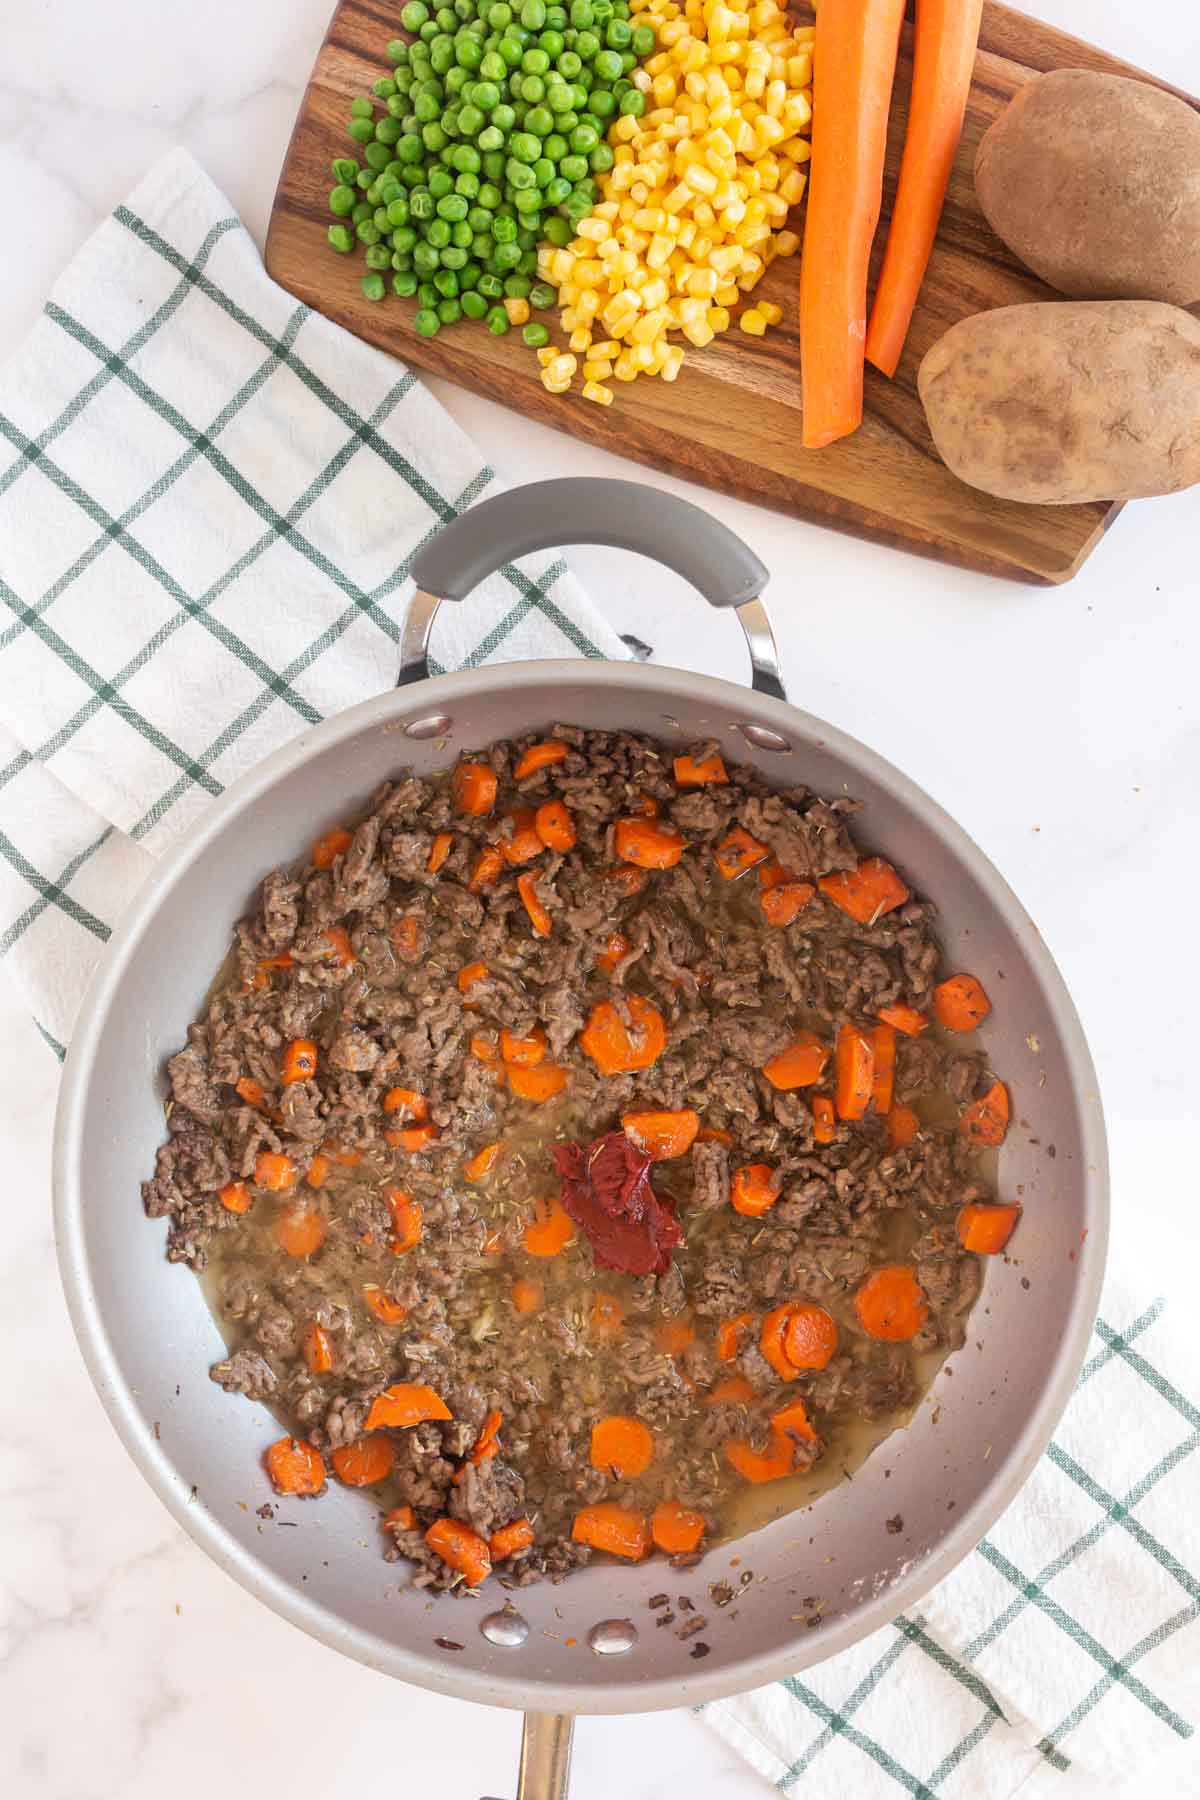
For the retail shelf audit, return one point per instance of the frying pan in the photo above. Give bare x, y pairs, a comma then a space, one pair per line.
148, 1336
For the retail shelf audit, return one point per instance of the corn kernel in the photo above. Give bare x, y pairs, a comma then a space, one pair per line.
546, 354
580, 339
517, 310
786, 243
602, 396
593, 228
624, 368
753, 322
597, 368
770, 312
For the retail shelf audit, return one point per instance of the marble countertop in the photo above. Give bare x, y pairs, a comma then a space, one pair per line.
1062, 728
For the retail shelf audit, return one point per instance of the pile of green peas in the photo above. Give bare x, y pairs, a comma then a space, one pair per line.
492, 133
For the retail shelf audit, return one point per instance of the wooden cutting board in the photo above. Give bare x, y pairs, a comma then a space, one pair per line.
732, 419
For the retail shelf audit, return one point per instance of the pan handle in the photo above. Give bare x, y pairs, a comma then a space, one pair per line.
545, 1756
582, 510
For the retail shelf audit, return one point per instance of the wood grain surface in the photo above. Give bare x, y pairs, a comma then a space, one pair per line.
732, 419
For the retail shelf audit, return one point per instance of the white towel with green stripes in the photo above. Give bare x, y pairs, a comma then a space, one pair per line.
209, 499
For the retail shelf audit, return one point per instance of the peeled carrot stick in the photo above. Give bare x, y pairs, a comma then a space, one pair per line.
854, 66
943, 60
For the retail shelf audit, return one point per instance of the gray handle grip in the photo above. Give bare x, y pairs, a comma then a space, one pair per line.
625, 514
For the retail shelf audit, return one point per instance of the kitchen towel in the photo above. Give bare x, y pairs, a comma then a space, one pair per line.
206, 520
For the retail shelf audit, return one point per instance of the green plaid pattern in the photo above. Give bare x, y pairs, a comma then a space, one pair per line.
208, 512
1064, 1640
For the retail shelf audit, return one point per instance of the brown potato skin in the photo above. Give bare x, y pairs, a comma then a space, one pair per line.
1094, 182
1067, 401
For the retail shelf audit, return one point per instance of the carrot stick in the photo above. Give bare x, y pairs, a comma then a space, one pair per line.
943, 61
854, 66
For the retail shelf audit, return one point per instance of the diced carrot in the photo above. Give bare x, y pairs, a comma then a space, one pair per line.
754, 1189
523, 1052
317, 1349
524, 844
474, 787
800, 1064
621, 1446
961, 1003
648, 845
412, 1137
771, 1464
401, 1518
469, 974
674, 1336
783, 904
608, 1315
275, 1171
299, 1061
986, 1229
715, 1134
488, 865
706, 771
890, 1304
883, 1072
810, 1339
613, 1048
738, 852
902, 1125
483, 1161
408, 1101
549, 1230
406, 1403
250, 1092
439, 850
617, 1529
299, 1229
330, 846
662, 1135
346, 1159
538, 1084
407, 1221
235, 1197
615, 949
905, 1018
510, 1538
645, 807
867, 892
772, 1340
462, 1548
729, 1335
986, 1121
318, 1171
262, 973
824, 1124
731, 1390
630, 880
555, 826
792, 1421
676, 1529
381, 1303
406, 935
485, 1049
527, 1296
531, 900
487, 1444
295, 1466
855, 1072
338, 939
540, 756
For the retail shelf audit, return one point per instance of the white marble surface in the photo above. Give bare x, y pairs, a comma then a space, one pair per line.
1062, 728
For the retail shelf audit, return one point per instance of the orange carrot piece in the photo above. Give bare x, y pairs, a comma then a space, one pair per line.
473, 786
274, 1171
824, 1123
854, 64
540, 756
961, 1003
488, 865
646, 807
709, 771
364, 1462
527, 1296
855, 1072
318, 1171
738, 852
731, 1390
800, 1064
662, 1135
986, 1121
865, 893
729, 1335
902, 1126
617, 946
330, 846
986, 1229
810, 1338
406, 1403
555, 826
618, 1051
754, 1189
772, 1340
487, 1444
235, 1197
539, 918
771, 1464
485, 1049
792, 1422
617, 1529
338, 939
783, 902
509, 1539
947, 34
523, 1052
262, 976
676, 1529
883, 1075
622, 1446
407, 1221
715, 1134
905, 1018
295, 1466
630, 880
439, 850
408, 1101
890, 1304
538, 1084
299, 1061
403, 1518
412, 1137
524, 844
483, 1161
381, 1303
317, 1349
406, 937
608, 1315
549, 1230
462, 1548
299, 1229
647, 844
469, 974
250, 1092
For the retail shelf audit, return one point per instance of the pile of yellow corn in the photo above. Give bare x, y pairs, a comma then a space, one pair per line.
696, 203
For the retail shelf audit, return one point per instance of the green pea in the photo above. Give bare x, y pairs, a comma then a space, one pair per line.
556, 18
385, 87
341, 239
404, 283
541, 295
378, 256
535, 334
437, 233
539, 120
584, 138
425, 259
404, 238
367, 232
469, 275
341, 200
516, 287
500, 15
468, 52
457, 80
474, 305
633, 104
362, 109
362, 211
452, 207
381, 221
413, 15
454, 257
449, 312
601, 160
543, 171
557, 231
362, 131
553, 44
588, 46
532, 89
528, 202
582, 13
373, 285
559, 100
570, 65
573, 168
643, 42
344, 169
427, 322
402, 259
446, 283
388, 131
533, 14
556, 191
485, 95
493, 165
433, 137
427, 294
555, 147
421, 203
507, 257
441, 183
490, 286
511, 50
397, 51
410, 149
497, 321
607, 66
520, 177
503, 116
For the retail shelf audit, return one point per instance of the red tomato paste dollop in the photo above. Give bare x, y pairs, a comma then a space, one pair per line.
606, 1190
